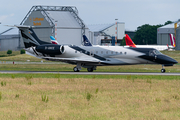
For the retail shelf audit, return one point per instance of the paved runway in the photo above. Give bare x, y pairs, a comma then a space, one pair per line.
89, 73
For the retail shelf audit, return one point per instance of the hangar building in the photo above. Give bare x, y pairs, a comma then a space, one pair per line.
62, 22
102, 34
163, 34
10, 40
178, 38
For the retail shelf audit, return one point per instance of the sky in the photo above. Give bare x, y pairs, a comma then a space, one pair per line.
133, 13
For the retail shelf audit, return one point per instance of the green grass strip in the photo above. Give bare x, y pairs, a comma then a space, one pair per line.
129, 77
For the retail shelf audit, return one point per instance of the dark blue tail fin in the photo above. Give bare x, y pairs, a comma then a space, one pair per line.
29, 37
86, 41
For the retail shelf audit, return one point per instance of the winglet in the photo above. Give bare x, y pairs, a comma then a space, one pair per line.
129, 42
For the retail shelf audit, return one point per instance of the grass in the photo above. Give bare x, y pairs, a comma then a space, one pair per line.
60, 96
29, 77
87, 98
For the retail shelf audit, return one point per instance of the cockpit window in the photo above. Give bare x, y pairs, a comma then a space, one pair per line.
157, 52
154, 52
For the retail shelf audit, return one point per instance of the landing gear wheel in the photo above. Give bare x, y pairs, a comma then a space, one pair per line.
90, 69
75, 69
163, 70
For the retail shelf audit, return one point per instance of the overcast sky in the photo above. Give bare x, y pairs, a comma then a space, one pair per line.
133, 13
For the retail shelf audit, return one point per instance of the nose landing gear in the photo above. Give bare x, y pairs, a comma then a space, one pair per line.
163, 70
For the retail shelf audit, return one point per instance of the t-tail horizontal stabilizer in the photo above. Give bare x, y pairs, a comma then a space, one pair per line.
29, 37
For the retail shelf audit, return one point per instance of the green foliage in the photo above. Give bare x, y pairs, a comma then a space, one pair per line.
147, 34
0, 95
51, 118
176, 97
12, 76
149, 81
88, 96
9, 52
97, 90
44, 98
28, 77
3, 83
29, 83
3, 55
17, 96
168, 22
123, 42
128, 77
22, 51
158, 100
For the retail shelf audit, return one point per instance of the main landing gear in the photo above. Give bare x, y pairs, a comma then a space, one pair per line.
76, 69
90, 69
163, 70
79, 65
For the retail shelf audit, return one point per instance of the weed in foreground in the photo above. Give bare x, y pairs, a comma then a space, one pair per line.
148, 81
29, 83
51, 118
12, 76
88, 96
17, 96
59, 80
44, 98
158, 100
0, 95
3, 83
176, 97
96, 90
28, 77
128, 77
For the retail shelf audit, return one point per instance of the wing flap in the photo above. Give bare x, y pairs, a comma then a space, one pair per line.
71, 60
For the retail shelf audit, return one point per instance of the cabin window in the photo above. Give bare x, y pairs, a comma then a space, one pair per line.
116, 52
120, 52
111, 52
101, 52
96, 52
125, 53
75, 51
106, 52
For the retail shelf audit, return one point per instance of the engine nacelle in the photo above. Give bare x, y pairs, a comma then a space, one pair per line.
50, 49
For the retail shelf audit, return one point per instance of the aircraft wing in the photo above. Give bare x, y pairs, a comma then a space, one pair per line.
71, 60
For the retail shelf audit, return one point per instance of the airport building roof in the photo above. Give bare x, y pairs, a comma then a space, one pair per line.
10, 31
101, 27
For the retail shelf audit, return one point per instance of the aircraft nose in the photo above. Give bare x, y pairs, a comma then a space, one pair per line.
163, 59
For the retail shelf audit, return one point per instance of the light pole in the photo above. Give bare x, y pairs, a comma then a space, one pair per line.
116, 28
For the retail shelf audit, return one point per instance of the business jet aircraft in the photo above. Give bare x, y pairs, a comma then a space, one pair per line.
130, 43
89, 56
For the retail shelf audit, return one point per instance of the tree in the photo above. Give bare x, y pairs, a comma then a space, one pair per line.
168, 22
146, 34
123, 42
9, 52
22, 51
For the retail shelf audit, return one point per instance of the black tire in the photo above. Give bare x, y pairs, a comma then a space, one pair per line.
90, 69
75, 69
163, 70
